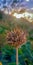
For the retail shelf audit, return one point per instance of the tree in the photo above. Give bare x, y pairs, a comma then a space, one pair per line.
1, 15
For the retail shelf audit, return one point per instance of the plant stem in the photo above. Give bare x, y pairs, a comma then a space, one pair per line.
16, 56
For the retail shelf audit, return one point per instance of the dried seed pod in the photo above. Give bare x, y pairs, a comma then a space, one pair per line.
16, 37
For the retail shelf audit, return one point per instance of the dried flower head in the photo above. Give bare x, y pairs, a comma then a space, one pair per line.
16, 37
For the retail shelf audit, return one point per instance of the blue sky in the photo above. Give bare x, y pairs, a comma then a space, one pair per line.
10, 3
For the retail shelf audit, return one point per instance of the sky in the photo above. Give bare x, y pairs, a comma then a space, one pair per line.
10, 4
